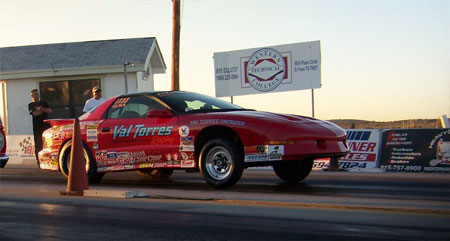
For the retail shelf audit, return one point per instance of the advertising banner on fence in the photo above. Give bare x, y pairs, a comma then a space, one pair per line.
268, 69
364, 148
416, 150
20, 149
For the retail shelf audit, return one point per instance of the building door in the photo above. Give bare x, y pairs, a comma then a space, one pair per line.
67, 98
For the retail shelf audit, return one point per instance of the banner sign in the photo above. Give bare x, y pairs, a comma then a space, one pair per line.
416, 150
268, 69
20, 149
364, 148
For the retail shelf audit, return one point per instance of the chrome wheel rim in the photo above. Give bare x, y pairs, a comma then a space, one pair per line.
219, 163
86, 159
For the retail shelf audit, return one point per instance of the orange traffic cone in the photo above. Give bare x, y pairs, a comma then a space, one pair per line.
77, 181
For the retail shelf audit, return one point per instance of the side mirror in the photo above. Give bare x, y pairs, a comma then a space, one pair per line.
159, 113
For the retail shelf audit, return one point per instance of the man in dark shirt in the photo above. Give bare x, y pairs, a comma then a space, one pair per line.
39, 109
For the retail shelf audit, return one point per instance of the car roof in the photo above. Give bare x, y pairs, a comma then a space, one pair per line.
153, 93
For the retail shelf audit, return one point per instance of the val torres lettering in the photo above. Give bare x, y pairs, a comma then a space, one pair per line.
140, 131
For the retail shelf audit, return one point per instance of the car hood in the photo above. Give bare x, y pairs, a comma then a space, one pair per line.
292, 124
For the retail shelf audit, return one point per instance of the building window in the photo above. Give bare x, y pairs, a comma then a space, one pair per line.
67, 98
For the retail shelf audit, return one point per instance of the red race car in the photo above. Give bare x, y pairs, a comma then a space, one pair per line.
155, 133
3, 157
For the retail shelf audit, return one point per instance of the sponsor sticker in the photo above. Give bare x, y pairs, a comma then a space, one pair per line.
91, 133
187, 163
187, 140
256, 149
187, 148
183, 131
120, 103
256, 157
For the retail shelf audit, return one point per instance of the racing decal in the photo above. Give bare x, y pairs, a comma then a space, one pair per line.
255, 149
58, 134
217, 121
91, 133
54, 159
100, 158
267, 149
187, 143
276, 153
158, 163
187, 148
68, 127
187, 159
140, 130
187, 140
183, 131
111, 158
87, 124
146, 165
111, 155
123, 157
138, 157
187, 163
173, 160
120, 103
95, 146
264, 153
256, 157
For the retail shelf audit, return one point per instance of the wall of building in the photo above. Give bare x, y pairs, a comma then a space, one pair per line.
19, 122
145, 83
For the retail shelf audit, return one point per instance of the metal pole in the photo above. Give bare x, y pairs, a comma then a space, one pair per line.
125, 77
312, 97
176, 46
231, 99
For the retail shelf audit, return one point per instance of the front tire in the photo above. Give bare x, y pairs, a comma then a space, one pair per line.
221, 163
91, 167
293, 171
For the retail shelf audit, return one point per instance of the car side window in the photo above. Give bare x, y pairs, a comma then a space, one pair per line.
132, 107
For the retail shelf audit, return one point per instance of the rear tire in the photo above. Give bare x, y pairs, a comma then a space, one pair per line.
155, 173
293, 171
91, 167
221, 163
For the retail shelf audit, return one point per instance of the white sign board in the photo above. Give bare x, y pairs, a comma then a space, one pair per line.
20, 149
269, 69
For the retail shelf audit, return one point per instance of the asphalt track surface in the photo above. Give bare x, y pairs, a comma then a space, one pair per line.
326, 206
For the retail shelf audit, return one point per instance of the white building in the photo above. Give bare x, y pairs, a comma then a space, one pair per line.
65, 73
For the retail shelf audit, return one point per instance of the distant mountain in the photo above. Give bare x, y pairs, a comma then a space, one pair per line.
363, 124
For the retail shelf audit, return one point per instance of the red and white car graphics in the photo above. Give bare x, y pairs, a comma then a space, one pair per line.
3, 157
157, 132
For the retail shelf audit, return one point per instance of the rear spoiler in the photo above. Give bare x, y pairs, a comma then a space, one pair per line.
59, 122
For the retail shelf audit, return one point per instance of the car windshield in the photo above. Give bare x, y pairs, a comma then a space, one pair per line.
183, 102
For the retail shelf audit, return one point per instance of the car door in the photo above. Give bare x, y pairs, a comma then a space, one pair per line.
129, 139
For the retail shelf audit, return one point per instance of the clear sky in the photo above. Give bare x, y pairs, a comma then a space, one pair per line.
381, 59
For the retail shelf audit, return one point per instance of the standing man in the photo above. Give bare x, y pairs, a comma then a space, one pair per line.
95, 100
39, 109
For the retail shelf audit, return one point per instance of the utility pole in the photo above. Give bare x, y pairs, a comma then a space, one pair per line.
176, 46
